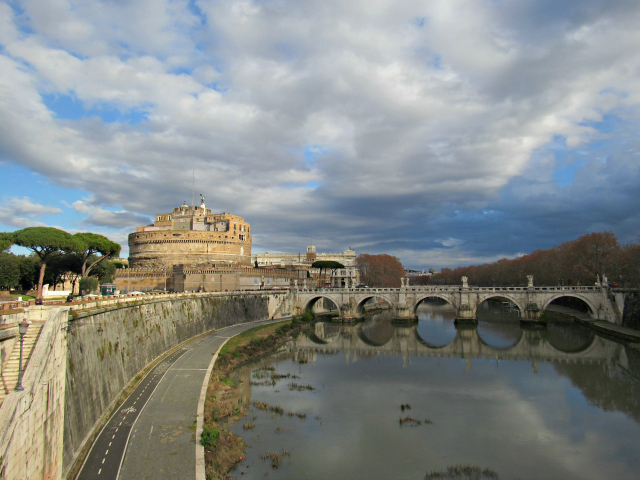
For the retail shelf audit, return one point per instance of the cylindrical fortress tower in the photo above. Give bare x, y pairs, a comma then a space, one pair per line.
191, 236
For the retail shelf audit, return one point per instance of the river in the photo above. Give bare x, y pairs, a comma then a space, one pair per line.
384, 401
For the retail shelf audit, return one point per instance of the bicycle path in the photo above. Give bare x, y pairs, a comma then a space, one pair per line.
152, 435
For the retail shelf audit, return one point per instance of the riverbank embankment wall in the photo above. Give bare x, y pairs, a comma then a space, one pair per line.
631, 310
32, 420
107, 348
83, 361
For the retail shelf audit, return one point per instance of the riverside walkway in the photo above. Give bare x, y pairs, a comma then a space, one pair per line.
153, 434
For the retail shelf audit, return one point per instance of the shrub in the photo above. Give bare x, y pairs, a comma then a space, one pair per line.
308, 316
209, 436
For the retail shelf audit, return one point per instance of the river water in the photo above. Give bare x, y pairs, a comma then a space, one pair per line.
400, 402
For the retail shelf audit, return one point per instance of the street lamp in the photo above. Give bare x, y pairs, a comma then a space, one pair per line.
22, 328
164, 274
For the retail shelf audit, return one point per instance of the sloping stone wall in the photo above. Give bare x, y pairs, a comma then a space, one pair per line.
31, 421
109, 347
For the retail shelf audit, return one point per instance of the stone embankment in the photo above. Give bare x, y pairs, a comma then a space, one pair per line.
83, 361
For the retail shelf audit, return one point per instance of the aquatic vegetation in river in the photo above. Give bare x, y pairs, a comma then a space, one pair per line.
276, 458
294, 386
413, 422
268, 408
463, 472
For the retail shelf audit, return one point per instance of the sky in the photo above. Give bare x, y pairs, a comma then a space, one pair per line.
444, 132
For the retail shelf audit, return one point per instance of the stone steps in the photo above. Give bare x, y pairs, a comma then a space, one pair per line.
9, 376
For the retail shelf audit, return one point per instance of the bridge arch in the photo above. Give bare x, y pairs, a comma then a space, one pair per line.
361, 300
311, 301
506, 296
558, 295
422, 298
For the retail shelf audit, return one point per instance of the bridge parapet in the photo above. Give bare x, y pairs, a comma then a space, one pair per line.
530, 301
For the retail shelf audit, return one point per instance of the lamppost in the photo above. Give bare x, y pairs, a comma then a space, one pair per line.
164, 274
22, 328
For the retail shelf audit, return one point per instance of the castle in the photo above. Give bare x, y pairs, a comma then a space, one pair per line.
191, 236
192, 249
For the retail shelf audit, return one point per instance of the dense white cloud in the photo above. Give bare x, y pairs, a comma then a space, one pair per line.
387, 126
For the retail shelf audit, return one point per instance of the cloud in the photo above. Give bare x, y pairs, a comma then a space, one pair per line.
24, 206
100, 217
371, 124
13, 211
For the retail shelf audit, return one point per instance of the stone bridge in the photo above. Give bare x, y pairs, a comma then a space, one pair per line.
530, 301
535, 345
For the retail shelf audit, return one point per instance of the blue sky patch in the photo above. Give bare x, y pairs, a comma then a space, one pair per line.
563, 175
195, 10
25, 183
67, 107
311, 154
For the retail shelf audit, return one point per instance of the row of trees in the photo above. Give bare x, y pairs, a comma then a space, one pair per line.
381, 271
67, 256
578, 262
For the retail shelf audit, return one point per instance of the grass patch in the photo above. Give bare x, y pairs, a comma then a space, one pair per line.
228, 382
259, 331
24, 297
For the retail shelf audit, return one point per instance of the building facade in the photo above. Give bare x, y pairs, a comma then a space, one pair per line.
345, 277
191, 236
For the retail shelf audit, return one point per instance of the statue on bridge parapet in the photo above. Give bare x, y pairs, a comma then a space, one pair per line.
529, 281
465, 282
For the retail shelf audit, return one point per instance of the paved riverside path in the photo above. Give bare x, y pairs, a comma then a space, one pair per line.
155, 427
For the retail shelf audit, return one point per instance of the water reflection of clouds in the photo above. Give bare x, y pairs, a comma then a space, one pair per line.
498, 414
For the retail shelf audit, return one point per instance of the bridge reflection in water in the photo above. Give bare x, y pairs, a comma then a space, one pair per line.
499, 339
500, 412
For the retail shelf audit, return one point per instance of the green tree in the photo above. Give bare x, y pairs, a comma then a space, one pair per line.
88, 285
44, 242
9, 271
326, 265
29, 268
91, 244
105, 271
6, 240
62, 267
